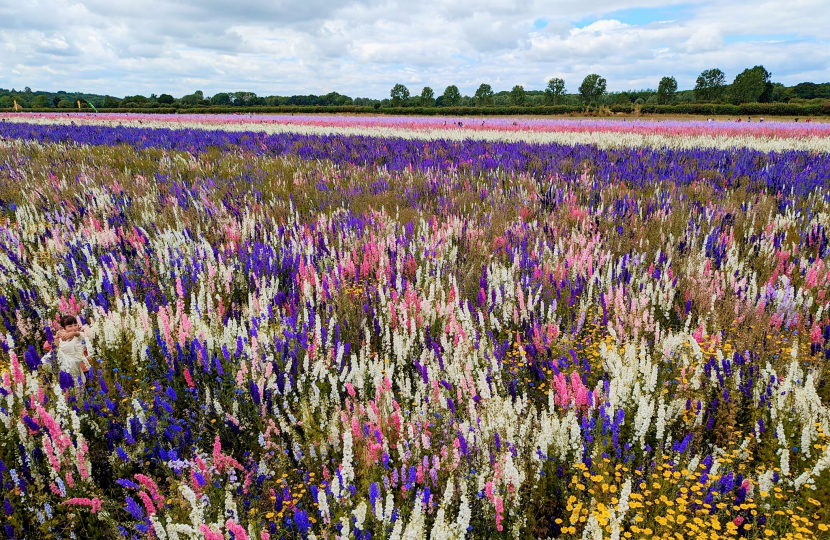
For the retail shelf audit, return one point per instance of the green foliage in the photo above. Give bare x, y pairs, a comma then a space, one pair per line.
752, 85
518, 96
427, 97
592, 89
190, 99
621, 99
666, 90
554, 91
221, 99
484, 95
399, 95
808, 90
41, 102
137, 99
710, 85
451, 97
245, 99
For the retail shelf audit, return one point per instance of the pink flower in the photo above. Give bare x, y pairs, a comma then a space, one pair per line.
218, 458
188, 378
94, 504
16, 371
151, 487
82, 451
237, 530
738, 521
148, 503
209, 534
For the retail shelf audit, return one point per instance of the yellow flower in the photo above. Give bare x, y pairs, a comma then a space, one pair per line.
269, 515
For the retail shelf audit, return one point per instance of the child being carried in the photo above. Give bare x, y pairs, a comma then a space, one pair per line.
70, 354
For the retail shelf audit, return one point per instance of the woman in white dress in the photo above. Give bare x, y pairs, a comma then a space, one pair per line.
71, 348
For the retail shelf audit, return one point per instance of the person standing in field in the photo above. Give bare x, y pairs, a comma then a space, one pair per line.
70, 353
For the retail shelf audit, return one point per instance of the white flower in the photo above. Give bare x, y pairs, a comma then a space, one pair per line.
360, 514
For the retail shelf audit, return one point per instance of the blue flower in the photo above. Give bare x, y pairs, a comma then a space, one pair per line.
65, 380
133, 508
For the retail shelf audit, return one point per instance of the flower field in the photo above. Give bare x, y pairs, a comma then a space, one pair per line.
396, 329
759, 135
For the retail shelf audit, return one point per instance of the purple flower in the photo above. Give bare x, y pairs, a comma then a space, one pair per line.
255, 392
373, 493
301, 519
123, 482
65, 380
133, 508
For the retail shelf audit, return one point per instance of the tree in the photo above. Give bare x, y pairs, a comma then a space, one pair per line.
666, 90
779, 93
333, 98
109, 102
245, 99
752, 85
167, 99
191, 99
452, 97
710, 85
518, 96
137, 99
41, 102
399, 95
554, 91
808, 90
427, 97
592, 88
484, 95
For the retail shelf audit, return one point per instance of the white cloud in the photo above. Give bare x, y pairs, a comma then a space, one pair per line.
363, 47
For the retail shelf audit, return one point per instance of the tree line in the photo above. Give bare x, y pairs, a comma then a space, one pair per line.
753, 85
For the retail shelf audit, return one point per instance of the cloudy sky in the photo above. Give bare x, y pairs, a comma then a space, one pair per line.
363, 47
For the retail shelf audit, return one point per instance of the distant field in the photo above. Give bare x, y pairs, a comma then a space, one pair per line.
604, 132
